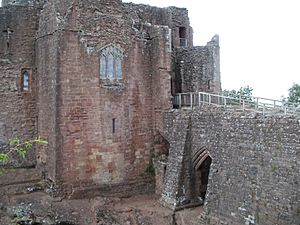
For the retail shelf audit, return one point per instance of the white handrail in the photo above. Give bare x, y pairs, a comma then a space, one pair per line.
265, 105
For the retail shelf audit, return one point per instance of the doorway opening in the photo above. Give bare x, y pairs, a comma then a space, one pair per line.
201, 165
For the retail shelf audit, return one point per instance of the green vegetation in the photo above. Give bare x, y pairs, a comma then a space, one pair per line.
274, 168
17, 147
294, 94
244, 93
150, 168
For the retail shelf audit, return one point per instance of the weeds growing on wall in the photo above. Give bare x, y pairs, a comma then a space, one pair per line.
150, 168
19, 148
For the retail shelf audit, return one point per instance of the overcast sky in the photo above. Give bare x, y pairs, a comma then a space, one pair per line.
259, 39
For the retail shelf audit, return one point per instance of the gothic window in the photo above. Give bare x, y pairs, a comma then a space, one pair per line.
111, 63
25, 80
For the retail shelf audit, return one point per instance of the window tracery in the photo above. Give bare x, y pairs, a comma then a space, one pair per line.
111, 59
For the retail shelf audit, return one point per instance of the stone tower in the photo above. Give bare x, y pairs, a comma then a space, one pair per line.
94, 78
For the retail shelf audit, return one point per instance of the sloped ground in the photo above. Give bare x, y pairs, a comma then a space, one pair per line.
39, 208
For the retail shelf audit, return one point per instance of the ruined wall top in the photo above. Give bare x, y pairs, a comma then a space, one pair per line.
157, 16
214, 41
176, 19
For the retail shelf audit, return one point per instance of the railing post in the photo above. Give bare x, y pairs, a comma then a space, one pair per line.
191, 99
274, 104
224, 102
284, 110
179, 100
264, 109
256, 105
209, 99
199, 95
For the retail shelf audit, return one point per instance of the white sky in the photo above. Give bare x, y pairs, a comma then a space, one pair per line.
259, 39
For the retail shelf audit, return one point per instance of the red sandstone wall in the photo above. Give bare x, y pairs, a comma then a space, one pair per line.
17, 107
75, 109
172, 17
47, 46
83, 150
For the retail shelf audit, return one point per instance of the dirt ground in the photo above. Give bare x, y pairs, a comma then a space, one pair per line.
39, 208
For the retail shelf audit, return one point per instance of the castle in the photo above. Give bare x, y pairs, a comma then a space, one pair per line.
94, 79
97, 79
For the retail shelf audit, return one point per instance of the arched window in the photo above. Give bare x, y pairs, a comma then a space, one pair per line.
111, 63
25, 81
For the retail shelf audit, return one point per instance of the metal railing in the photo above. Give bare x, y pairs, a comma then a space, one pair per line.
263, 105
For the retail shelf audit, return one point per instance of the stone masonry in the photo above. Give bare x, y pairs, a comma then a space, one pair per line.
96, 79
254, 174
102, 131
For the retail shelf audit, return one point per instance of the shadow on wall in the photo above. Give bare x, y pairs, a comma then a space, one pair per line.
201, 176
198, 175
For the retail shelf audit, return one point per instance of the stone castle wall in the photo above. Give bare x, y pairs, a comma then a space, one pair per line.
47, 62
172, 17
255, 164
198, 69
18, 107
18, 2
79, 109
101, 132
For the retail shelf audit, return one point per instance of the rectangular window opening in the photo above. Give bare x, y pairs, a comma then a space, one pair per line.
182, 37
114, 125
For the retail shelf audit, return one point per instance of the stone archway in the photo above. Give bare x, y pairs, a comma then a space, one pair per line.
201, 162
161, 150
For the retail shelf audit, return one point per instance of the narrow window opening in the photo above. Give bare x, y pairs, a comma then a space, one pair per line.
208, 85
25, 81
182, 37
8, 32
114, 125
